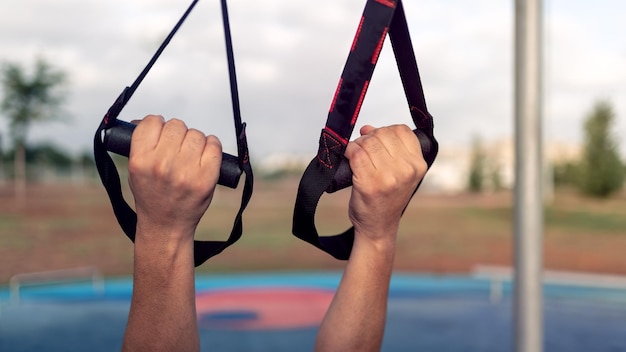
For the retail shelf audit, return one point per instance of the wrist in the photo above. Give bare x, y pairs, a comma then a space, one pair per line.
380, 237
164, 234
376, 245
164, 248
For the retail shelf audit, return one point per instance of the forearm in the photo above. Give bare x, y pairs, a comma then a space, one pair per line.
163, 311
356, 318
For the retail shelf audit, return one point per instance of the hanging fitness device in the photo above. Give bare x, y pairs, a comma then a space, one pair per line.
329, 171
115, 135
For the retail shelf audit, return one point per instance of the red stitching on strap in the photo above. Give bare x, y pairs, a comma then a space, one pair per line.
358, 106
421, 123
335, 134
388, 3
358, 34
379, 46
328, 143
332, 104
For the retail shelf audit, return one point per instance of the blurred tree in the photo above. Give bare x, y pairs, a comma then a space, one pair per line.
601, 170
495, 176
1, 160
85, 159
565, 173
476, 177
27, 100
48, 155
87, 165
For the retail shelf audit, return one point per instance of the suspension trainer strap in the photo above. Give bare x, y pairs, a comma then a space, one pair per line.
329, 170
125, 215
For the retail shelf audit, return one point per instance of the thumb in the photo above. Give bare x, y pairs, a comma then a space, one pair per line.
366, 129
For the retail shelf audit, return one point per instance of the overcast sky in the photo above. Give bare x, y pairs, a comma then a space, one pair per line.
289, 55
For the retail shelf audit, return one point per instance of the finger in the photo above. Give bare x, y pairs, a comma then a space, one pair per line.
373, 144
409, 140
413, 149
146, 134
192, 146
389, 154
211, 158
398, 141
171, 139
357, 156
366, 129
388, 138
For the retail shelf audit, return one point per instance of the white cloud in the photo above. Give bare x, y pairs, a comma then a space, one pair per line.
581, 68
290, 55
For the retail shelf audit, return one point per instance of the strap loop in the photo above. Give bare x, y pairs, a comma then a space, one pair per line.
125, 215
329, 171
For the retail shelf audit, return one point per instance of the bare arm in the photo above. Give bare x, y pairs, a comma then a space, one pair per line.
387, 164
172, 174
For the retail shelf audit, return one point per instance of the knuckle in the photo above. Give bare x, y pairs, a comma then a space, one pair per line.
419, 170
150, 121
195, 132
161, 169
176, 125
422, 167
135, 165
153, 118
213, 143
412, 171
391, 182
174, 129
195, 137
212, 151
403, 131
176, 122
357, 157
357, 153
402, 128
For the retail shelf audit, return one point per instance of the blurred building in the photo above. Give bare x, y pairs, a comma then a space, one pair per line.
450, 172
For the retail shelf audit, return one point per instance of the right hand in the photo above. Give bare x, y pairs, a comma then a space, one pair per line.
387, 165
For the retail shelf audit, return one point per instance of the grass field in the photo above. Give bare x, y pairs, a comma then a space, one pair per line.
64, 226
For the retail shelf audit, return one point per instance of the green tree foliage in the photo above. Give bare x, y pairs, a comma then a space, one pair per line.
42, 157
50, 155
495, 176
29, 99
476, 177
601, 171
565, 173
86, 159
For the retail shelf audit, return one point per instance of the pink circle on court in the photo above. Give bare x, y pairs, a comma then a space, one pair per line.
262, 308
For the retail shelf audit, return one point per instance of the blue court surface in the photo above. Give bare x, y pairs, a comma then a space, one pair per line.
281, 312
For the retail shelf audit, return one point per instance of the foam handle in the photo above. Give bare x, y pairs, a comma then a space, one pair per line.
343, 176
117, 140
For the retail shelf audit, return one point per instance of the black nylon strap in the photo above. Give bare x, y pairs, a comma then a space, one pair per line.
124, 214
380, 17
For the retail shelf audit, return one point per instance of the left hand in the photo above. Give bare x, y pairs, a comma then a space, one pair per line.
173, 172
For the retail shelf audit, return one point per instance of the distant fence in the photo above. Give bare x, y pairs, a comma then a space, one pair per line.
17, 282
498, 275
46, 173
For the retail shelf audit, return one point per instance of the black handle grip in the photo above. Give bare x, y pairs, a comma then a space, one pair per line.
343, 176
117, 140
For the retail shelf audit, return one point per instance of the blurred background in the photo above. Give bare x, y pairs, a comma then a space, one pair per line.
63, 63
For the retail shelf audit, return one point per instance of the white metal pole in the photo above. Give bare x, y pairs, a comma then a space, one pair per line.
528, 208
